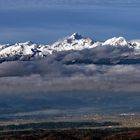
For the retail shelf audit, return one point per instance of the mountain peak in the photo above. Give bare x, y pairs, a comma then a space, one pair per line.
28, 42
76, 36
116, 41
25, 43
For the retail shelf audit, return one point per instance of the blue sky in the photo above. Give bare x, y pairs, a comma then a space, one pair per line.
45, 21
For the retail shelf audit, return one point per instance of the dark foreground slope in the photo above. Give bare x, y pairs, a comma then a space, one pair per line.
74, 134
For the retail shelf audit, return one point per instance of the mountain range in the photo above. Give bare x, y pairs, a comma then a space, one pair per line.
76, 49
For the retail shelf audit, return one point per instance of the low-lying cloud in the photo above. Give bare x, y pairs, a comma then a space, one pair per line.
45, 75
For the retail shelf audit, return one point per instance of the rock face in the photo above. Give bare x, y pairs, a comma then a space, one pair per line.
114, 50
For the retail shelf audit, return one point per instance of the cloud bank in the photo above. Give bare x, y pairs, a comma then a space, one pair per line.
43, 76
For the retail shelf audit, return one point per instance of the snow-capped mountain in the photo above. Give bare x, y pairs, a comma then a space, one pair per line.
113, 49
116, 42
73, 42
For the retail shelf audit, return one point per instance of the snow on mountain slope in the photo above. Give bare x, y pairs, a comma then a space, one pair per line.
120, 41
75, 47
18, 51
74, 42
136, 44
